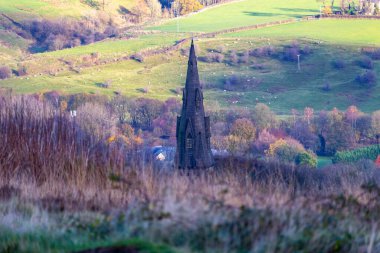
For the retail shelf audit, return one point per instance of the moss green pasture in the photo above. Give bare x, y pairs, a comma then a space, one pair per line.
54, 8
241, 13
119, 47
75, 58
127, 77
343, 32
48, 8
281, 85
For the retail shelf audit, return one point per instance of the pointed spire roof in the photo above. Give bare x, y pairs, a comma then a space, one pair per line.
192, 79
192, 55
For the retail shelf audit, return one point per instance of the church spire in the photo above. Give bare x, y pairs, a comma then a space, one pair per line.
192, 80
193, 127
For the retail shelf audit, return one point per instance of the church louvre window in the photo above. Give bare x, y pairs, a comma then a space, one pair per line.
198, 99
189, 142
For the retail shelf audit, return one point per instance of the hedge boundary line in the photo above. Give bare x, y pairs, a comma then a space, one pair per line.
139, 56
150, 52
348, 17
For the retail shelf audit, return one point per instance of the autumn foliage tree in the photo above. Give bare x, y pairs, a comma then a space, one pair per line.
244, 129
263, 116
377, 162
264, 139
304, 133
291, 151
155, 8
5, 72
339, 135
308, 114
141, 11
183, 7
376, 122
352, 114
243, 132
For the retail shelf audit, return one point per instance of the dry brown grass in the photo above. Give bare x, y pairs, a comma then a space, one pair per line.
52, 163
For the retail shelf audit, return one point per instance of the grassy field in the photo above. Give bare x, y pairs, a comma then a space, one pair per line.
241, 13
117, 47
128, 77
54, 8
343, 32
281, 86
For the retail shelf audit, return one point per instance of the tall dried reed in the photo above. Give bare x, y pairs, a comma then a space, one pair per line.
40, 143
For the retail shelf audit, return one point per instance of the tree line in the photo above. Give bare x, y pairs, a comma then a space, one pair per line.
258, 132
350, 7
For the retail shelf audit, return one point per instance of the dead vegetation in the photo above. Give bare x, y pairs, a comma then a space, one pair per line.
61, 177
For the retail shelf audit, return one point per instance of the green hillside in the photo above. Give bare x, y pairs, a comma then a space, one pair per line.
241, 13
160, 76
55, 8
344, 32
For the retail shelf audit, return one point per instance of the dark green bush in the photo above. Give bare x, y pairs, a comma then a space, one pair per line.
370, 152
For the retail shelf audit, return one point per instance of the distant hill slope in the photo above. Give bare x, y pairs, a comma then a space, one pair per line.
241, 13
331, 52
13, 12
58, 8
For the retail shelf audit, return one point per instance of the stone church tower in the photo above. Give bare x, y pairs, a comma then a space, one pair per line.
193, 127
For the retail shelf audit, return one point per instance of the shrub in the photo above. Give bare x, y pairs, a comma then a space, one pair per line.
245, 57
144, 90
143, 112
306, 50
5, 72
235, 83
214, 57
232, 82
291, 54
365, 63
22, 71
368, 79
351, 156
220, 49
262, 51
264, 140
233, 57
96, 119
65, 33
326, 87
138, 57
92, 3
338, 64
306, 159
375, 54
291, 151
106, 84
258, 66
327, 10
